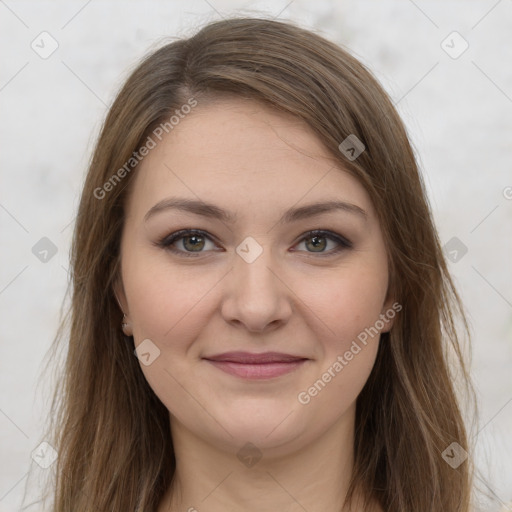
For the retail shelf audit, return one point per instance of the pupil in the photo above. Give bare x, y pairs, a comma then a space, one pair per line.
196, 241
316, 243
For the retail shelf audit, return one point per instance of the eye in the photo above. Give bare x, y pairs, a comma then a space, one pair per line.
317, 241
193, 241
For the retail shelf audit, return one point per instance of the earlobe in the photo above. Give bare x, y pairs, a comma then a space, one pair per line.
120, 295
389, 311
388, 323
390, 307
123, 306
126, 326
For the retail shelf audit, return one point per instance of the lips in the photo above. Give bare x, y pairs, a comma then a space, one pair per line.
248, 365
250, 358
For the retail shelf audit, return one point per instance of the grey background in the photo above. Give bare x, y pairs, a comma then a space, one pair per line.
458, 112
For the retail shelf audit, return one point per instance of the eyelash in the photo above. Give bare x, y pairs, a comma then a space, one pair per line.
167, 241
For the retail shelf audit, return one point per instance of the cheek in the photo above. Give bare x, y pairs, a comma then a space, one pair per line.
348, 302
167, 306
350, 307
163, 298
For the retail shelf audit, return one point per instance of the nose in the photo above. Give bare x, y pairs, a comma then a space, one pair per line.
257, 296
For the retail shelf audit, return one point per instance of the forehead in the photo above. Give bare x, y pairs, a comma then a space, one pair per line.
244, 155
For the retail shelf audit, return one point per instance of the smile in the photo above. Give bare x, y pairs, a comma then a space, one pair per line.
256, 366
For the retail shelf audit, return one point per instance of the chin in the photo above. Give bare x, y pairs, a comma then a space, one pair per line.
266, 426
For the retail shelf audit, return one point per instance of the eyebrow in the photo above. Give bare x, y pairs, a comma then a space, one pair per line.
210, 210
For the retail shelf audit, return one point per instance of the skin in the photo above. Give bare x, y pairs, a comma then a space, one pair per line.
292, 298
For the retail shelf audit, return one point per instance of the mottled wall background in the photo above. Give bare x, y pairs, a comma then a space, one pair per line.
446, 64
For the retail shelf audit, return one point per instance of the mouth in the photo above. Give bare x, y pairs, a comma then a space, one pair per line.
248, 365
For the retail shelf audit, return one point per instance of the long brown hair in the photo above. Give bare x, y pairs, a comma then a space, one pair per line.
111, 432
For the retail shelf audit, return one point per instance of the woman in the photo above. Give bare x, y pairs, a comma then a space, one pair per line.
262, 317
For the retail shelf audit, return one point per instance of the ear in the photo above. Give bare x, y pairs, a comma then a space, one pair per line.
390, 309
120, 295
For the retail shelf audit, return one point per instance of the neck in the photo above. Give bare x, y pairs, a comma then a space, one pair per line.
314, 477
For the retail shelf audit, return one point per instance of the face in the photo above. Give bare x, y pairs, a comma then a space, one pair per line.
256, 317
